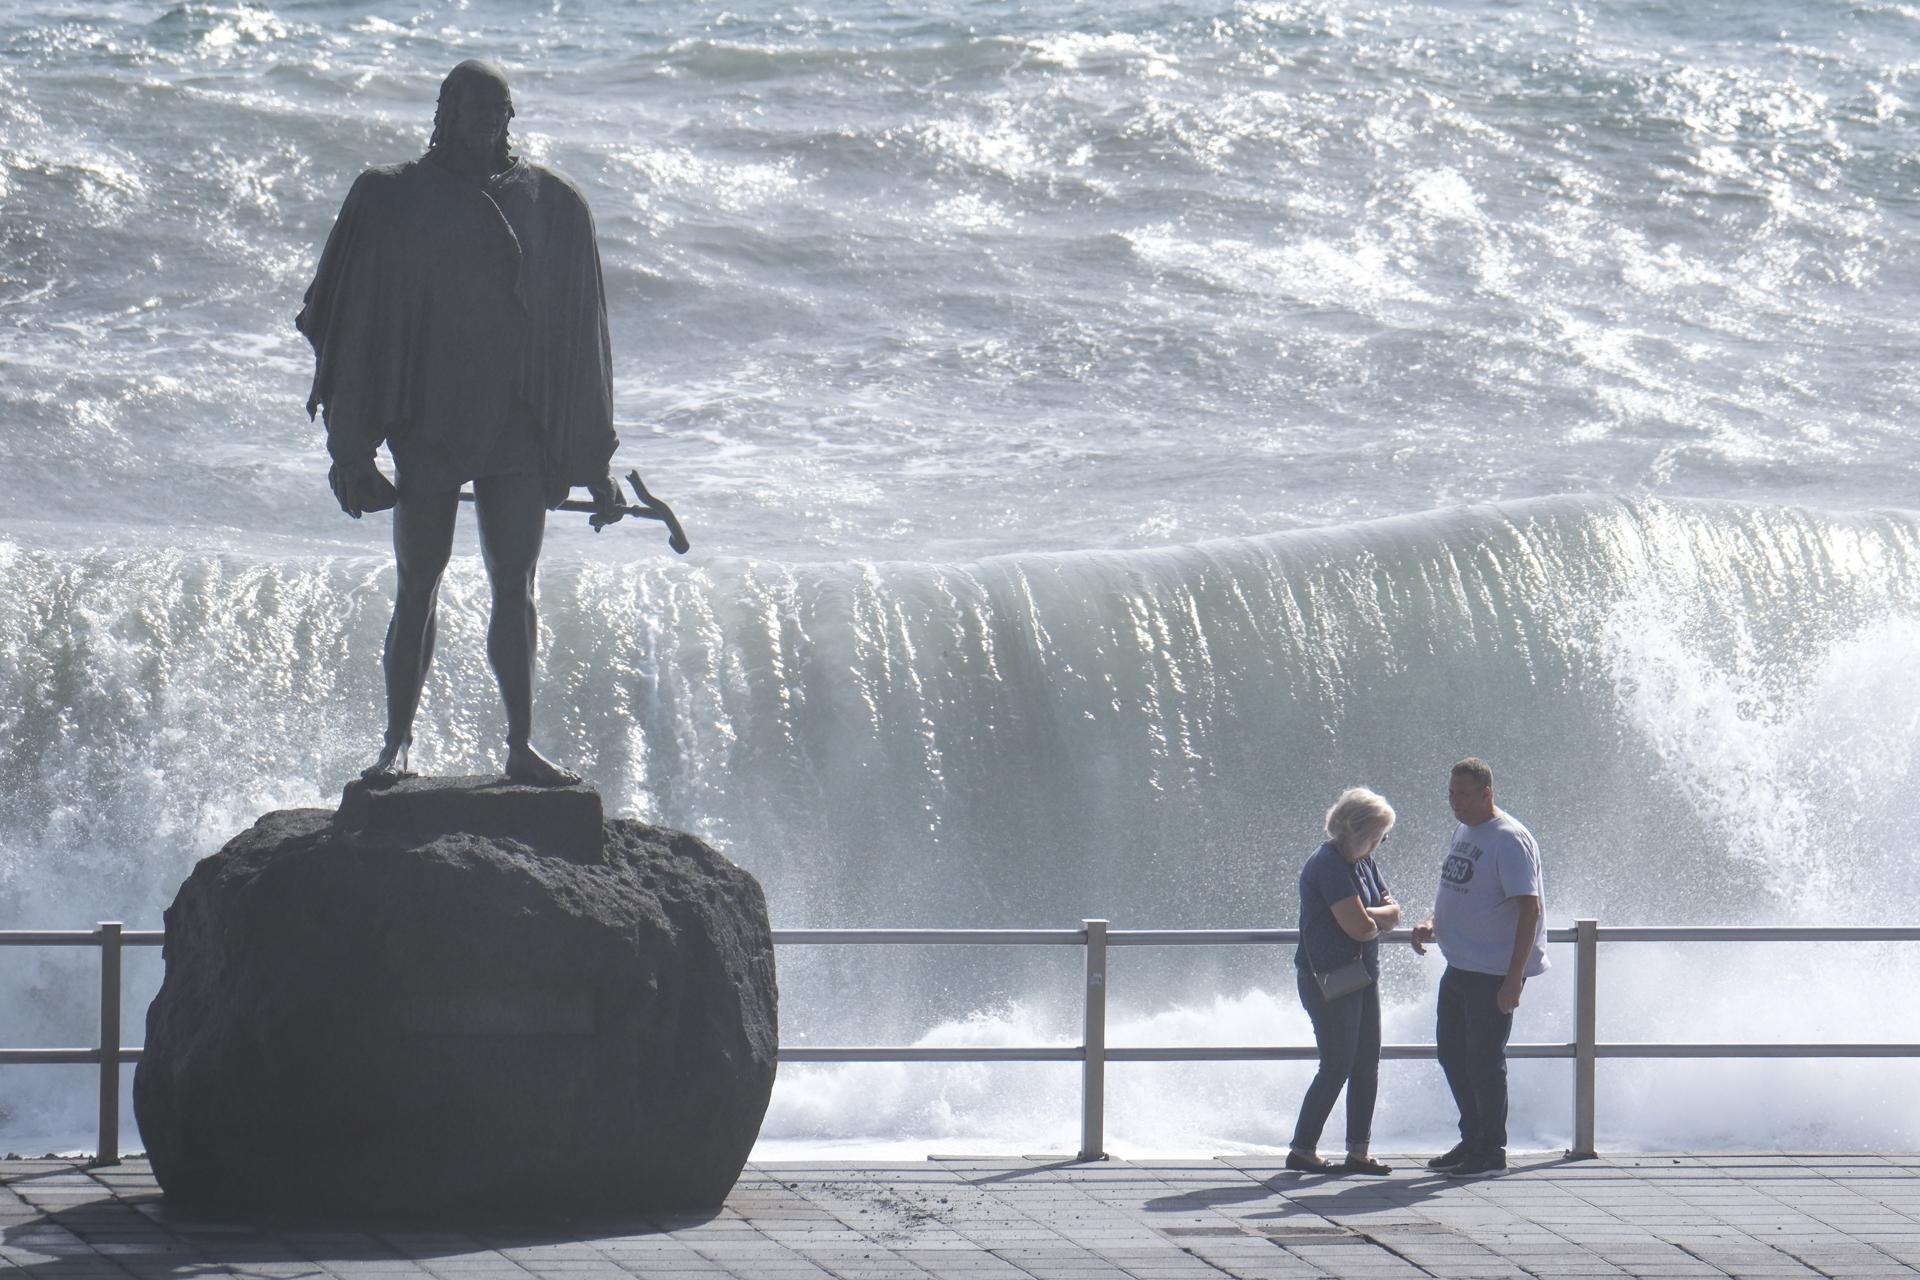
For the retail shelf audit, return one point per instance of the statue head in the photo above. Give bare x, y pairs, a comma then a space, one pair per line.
470, 120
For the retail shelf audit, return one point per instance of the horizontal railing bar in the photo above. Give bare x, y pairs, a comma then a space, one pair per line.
1068, 937
1307, 1053
1182, 1053
1759, 933
1234, 937
940, 1053
77, 938
987, 937
1304, 1053
1763, 1050
1198, 937
1150, 1053
1146, 937
74, 1057
1071, 937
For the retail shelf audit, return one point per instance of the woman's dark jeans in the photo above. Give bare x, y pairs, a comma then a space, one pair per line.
1348, 1033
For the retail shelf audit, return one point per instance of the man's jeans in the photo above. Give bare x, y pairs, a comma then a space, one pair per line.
1471, 1034
1348, 1033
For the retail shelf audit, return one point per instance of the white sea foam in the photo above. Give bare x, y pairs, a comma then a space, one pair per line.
1702, 710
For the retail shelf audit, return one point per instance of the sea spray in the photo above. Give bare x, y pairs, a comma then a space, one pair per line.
1700, 708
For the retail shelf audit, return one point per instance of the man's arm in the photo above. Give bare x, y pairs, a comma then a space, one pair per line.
1524, 931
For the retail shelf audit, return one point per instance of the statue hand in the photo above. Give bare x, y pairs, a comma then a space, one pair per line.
360, 487
341, 480
609, 504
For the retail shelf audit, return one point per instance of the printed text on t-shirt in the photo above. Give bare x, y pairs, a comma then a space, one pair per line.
1458, 868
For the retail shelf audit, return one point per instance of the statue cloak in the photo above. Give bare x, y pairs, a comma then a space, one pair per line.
447, 311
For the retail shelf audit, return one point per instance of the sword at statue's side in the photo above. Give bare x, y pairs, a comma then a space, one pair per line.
649, 508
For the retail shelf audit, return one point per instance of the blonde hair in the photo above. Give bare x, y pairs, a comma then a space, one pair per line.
1359, 812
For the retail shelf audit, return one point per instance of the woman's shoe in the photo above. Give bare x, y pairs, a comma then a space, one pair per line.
1300, 1162
1365, 1164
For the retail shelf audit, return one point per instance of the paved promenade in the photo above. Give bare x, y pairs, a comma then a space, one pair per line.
967, 1219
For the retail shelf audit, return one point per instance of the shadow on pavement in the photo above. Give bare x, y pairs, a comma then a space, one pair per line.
1332, 1195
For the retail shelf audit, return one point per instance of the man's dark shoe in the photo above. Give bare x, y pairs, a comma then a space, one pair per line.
1443, 1162
1302, 1163
1478, 1163
1365, 1164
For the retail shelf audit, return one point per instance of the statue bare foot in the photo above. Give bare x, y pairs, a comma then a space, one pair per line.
390, 767
530, 768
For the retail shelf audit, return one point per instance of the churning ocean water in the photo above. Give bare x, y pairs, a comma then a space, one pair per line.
1105, 433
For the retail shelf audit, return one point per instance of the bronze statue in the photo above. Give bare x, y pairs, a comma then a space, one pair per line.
459, 316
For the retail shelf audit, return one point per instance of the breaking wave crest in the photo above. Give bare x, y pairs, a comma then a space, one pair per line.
1705, 712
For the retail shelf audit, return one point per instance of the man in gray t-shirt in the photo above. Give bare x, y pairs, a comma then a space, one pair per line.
1489, 922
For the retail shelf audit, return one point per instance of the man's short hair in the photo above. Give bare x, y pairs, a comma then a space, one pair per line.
1479, 770
1358, 813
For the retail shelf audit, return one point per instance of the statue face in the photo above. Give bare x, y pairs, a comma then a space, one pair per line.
478, 119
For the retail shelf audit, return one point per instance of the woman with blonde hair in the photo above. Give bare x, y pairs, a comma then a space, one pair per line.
1344, 908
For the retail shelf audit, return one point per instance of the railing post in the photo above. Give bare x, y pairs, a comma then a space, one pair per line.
108, 1151
1586, 956
1093, 1072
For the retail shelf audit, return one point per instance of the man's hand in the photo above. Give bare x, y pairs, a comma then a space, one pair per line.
359, 487
1422, 935
1508, 997
609, 504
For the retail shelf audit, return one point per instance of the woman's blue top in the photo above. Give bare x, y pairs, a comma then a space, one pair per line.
1324, 880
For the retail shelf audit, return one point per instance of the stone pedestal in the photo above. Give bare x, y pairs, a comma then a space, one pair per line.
558, 821
457, 996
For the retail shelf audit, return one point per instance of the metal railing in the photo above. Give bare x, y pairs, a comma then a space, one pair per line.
109, 1054
1093, 1053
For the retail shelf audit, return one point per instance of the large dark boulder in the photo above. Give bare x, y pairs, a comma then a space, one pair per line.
452, 997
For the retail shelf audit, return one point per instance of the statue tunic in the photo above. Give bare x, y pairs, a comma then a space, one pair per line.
464, 324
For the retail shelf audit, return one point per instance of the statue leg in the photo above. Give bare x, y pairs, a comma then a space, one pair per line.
513, 520
422, 543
